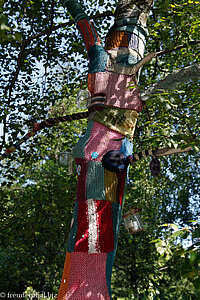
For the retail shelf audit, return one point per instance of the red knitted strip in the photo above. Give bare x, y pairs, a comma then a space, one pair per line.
85, 34
81, 244
89, 33
105, 224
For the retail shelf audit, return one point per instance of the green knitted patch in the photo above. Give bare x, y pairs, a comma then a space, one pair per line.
79, 149
95, 187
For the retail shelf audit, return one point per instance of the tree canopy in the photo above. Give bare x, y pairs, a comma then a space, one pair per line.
43, 66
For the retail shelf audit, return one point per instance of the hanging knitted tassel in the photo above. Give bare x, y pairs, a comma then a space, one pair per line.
155, 166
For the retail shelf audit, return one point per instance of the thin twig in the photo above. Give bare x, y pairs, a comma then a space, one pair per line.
177, 47
44, 32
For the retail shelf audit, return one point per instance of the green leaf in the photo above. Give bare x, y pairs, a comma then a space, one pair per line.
189, 272
177, 233
195, 258
154, 241
174, 226
196, 284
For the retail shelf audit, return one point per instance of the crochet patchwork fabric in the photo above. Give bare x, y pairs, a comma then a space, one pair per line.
117, 119
119, 90
94, 231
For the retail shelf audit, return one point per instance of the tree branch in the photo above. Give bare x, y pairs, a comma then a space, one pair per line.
54, 28
47, 31
178, 47
170, 151
172, 80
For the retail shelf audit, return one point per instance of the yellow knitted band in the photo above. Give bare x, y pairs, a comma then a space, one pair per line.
117, 119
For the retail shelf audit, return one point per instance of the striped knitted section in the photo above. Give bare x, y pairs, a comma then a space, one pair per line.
98, 99
89, 34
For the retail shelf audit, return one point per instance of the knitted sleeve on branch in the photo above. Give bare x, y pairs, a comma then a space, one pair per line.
86, 28
75, 9
89, 33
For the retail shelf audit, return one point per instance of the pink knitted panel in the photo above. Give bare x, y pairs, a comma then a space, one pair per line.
87, 277
102, 140
115, 87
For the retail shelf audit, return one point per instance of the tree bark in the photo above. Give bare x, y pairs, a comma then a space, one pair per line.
172, 80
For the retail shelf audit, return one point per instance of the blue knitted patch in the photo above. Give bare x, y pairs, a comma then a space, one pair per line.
79, 149
73, 230
95, 186
117, 215
109, 266
98, 59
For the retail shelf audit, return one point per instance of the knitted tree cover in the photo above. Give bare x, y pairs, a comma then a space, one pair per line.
97, 214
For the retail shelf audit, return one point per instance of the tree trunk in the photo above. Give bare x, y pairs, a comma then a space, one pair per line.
114, 109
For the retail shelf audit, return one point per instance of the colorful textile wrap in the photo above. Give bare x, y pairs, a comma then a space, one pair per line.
117, 119
88, 33
135, 40
120, 90
93, 237
97, 214
133, 9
